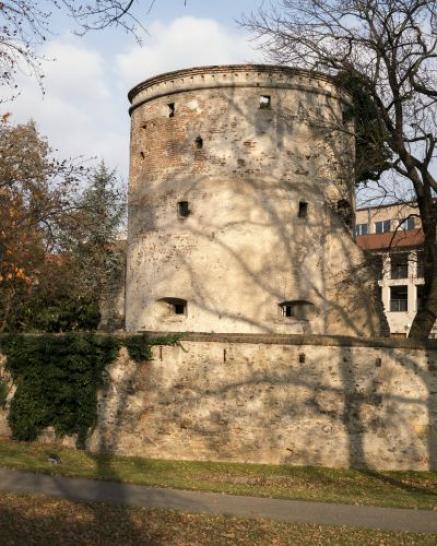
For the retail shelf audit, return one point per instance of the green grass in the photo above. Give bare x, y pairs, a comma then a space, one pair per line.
395, 489
41, 521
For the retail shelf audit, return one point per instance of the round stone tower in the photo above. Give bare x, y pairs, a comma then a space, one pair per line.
241, 205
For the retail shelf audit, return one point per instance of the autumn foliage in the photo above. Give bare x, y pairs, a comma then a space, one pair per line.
50, 230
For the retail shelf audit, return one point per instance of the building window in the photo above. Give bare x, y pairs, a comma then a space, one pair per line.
183, 209
399, 265
398, 298
297, 309
176, 306
265, 102
408, 224
361, 229
382, 227
303, 209
420, 265
171, 109
199, 142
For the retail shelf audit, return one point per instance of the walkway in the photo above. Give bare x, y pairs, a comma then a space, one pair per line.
390, 519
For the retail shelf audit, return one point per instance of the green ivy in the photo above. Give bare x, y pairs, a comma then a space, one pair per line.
58, 376
140, 347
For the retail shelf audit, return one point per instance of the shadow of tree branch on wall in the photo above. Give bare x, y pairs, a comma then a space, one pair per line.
356, 406
241, 252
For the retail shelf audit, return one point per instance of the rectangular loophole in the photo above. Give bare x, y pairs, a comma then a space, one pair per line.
171, 109
180, 308
199, 143
183, 209
303, 209
287, 310
265, 102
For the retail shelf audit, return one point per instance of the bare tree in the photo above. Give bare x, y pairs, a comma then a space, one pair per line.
25, 25
385, 54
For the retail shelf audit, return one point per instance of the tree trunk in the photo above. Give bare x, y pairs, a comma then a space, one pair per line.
426, 315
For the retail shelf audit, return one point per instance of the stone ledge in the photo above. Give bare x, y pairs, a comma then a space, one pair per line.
265, 339
283, 339
229, 69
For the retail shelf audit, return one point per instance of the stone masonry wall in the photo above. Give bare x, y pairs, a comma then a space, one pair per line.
245, 245
297, 400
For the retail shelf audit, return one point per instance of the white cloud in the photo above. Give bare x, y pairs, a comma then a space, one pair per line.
79, 113
84, 110
187, 42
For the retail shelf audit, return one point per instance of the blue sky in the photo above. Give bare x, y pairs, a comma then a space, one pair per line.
84, 109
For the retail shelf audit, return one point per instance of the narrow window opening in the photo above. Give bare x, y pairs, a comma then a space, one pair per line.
171, 109
142, 155
179, 308
303, 209
224, 355
265, 102
302, 358
184, 209
287, 310
199, 142
176, 306
298, 309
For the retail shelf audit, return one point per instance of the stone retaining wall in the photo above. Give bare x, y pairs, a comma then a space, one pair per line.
299, 400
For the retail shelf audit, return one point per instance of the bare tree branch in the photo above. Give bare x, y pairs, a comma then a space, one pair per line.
385, 54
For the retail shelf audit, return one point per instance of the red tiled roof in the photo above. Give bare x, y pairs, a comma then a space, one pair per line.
384, 241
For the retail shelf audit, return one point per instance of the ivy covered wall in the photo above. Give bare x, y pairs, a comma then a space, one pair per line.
56, 379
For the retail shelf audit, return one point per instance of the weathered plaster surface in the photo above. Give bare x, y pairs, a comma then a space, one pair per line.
303, 401
243, 249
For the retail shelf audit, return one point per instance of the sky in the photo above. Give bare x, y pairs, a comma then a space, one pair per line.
84, 110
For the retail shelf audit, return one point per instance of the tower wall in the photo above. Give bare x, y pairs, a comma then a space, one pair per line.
241, 206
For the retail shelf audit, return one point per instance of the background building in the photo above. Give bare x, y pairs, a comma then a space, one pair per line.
393, 234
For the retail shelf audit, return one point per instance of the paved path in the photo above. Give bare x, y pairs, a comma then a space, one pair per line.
391, 519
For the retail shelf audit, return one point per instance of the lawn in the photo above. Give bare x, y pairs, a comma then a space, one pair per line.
41, 521
365, 487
